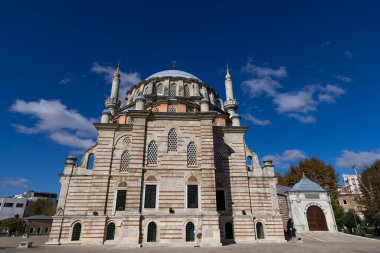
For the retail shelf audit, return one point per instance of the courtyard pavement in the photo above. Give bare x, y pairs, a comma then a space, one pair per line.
9, 245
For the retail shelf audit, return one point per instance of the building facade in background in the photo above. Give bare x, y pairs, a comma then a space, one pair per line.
10, 207
169, 168
349, 195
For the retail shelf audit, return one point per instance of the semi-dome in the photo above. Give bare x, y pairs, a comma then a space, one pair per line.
173, 72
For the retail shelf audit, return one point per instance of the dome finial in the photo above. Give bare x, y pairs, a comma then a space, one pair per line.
228, 76
117, 73
174, 64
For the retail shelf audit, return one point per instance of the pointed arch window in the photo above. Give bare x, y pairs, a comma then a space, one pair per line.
160, 89
152, 152
191, 154
90, 161
173, 89
172, 140
189, 232
75, 236
260, 230
110, 231
125, 159
186, 90
152, 232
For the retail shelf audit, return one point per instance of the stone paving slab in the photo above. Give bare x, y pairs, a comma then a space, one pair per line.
9, 245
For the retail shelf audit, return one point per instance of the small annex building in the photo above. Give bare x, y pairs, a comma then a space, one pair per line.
308, 205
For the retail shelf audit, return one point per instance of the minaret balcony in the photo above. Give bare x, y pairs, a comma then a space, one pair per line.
111, 102
230, 104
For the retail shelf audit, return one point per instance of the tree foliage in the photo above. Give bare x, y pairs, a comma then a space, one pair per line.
370, 188
40, 207
13, 224
317, 171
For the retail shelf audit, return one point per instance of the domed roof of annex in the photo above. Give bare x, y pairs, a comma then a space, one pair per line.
173, 72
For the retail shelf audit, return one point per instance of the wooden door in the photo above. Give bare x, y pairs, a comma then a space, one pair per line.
316, 219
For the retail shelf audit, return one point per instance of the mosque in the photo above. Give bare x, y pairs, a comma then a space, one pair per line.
170, 167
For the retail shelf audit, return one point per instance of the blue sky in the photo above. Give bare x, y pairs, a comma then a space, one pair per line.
305, 74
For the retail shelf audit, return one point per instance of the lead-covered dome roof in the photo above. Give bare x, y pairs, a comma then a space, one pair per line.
173, 72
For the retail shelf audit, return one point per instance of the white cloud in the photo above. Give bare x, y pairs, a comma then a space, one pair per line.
16, 182
286, 158
298, 105
349, 54
65, 81
256, 121
62, 125
344, 78
127, 79
348, 158
325, 44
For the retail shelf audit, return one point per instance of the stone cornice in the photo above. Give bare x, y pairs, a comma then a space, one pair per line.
233, 129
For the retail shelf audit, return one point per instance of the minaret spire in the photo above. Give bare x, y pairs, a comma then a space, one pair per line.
113, 102
231, 105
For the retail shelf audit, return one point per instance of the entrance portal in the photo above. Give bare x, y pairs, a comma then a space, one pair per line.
316, 219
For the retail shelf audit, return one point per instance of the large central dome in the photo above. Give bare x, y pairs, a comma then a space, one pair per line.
173, 72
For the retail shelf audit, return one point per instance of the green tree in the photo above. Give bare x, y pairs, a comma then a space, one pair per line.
340, 215
40, 207
317, 171
370, 188
351, 220
13, 224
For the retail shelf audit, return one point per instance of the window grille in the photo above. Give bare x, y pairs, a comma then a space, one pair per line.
120, 200
155, 109
127, 140
152, 232
192, 196
152, 153
160, 89
172, 90
110, 231
189, 109
130, 121
218, 162
150, 196
172, 140
172, 108
189, 232
76, 232
125, 159
186, 90
229, 231
191, 154
220, 200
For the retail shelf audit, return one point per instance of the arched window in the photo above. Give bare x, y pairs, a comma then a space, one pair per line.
249, 163
110, 231
147, 90
160, 89
130, 121
229, 231
90, 161
260, 230
152, 232
191, 154
152, 152
172, 90
189, 232
125, 159
172, 140
186, 90
75, 236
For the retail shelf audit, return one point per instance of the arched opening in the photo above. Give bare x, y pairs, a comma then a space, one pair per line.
189, 232
173, 90
90, 161
260, 230
191, 154
249, 163
152, 152
172, 140
110, 231
152, 232
186, 90
316, 219
75, 236
229, 231
160, 89
125, 159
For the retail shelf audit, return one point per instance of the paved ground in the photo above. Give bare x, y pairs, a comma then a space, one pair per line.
9, 245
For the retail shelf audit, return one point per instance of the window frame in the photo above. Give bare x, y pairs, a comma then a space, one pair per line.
157, 196
225, 200
187, 196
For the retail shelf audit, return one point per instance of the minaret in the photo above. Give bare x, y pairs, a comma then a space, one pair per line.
231, 105
113, 102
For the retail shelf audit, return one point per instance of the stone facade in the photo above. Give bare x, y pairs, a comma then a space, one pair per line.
169, 168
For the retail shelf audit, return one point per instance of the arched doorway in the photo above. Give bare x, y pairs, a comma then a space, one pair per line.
229, 231
152, 232
316, 219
